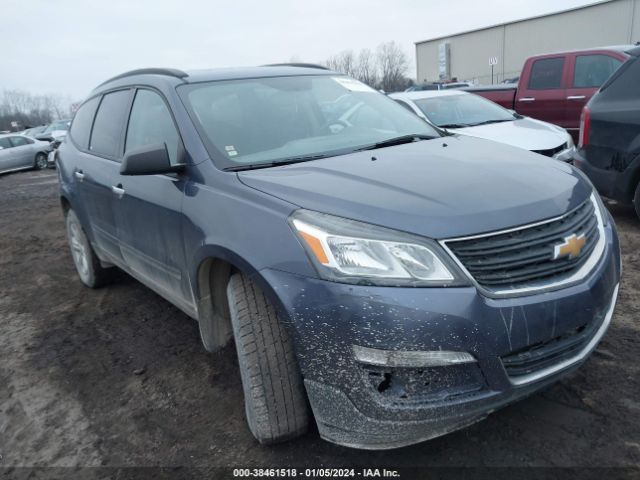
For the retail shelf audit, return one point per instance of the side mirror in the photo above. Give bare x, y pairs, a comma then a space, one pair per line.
45, 137
148, 160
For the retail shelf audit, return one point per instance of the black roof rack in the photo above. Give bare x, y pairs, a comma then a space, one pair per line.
171, 72
297, 64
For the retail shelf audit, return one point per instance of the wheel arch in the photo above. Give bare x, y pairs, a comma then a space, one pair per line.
212, 268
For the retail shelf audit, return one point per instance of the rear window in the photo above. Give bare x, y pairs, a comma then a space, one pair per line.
625, 85
108, 125
81, 126
592, 71
546, 73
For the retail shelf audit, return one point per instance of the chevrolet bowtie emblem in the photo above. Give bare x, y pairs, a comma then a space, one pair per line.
571, 246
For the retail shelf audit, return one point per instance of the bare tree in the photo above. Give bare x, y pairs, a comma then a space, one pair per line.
393, 65
344, 62
30, 110
386, 69
367, 70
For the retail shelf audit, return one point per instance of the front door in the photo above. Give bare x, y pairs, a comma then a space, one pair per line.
149, 208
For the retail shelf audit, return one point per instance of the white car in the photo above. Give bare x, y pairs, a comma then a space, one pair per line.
19, 152
468, 114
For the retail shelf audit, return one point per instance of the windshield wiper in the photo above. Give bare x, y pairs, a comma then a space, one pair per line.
286, 161
454, 125
488, 122
396, 141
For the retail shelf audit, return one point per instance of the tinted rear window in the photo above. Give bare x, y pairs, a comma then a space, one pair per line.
625, 85
108, 125
546, 73
81, 126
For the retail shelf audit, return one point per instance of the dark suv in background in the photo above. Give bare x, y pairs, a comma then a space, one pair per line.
609, 146
400, 281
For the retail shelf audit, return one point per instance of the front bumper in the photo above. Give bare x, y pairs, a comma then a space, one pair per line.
610, 183
367, 406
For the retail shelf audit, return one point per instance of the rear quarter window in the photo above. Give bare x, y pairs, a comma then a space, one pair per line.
82, 122
108, 128
546, 73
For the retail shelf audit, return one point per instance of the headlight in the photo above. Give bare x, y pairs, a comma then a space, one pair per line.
570, 143
348, 251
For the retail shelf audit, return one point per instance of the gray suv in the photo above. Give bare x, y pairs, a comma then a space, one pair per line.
378, 276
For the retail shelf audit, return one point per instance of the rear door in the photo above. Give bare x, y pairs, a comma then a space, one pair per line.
542, 94
149, 209
7, 161
587, 74
97, 169
23, 152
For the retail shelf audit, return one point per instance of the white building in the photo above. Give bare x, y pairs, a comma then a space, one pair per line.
467, 55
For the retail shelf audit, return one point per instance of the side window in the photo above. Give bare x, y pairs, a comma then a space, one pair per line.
546, 73
151, 123
593, 70
5, 143
112, 113
82, 122
19, 141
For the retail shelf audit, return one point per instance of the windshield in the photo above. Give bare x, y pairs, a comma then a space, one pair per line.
464, 110
63, 125
269, 120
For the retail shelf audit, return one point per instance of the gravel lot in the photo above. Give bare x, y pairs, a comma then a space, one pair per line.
117, 376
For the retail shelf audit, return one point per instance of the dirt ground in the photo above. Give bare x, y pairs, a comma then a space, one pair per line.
117, 376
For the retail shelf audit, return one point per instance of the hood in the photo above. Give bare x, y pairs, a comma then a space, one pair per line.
525, 133
442, 188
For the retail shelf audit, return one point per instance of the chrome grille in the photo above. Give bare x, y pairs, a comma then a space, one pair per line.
518, 258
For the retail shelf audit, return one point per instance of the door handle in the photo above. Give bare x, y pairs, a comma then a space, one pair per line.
527, 99
79, 175
576, 97
119, 191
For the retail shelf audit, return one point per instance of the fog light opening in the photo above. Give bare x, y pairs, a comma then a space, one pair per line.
410, 358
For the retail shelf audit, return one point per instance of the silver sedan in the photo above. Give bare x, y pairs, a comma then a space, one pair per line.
19, 152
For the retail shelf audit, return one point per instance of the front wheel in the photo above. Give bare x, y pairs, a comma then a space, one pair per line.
40, 161
87, 264
274, 396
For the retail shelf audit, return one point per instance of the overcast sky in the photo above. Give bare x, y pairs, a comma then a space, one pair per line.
70, 46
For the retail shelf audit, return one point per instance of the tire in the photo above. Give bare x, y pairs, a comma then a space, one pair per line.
40, 162
274, 395
87, 264
636, 200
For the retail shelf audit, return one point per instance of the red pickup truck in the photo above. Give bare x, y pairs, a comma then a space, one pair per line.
555, 87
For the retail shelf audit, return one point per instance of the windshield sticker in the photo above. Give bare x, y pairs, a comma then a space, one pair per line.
231, 150
353, 85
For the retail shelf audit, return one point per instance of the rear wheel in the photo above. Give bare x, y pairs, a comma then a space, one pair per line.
40, 161
87, 264
274, 396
